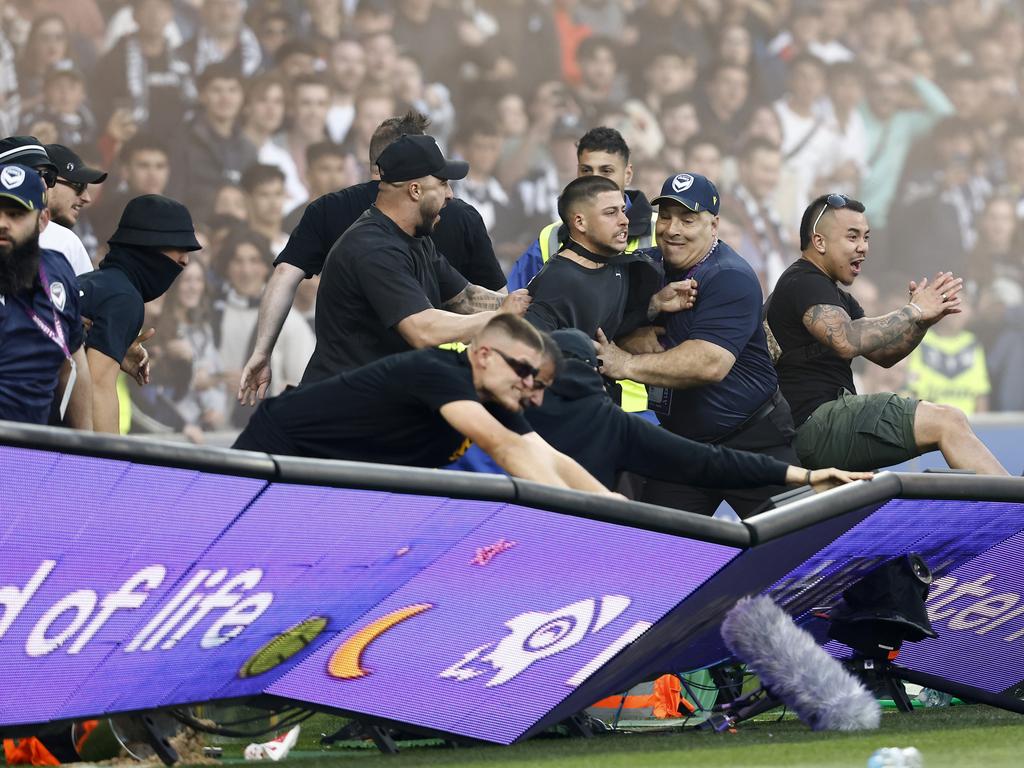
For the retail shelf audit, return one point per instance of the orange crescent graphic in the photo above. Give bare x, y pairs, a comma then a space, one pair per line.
346, 662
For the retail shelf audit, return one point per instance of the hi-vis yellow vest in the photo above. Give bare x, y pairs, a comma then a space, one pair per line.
634, 396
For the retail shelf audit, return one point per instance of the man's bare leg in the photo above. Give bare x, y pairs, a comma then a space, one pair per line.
946, 428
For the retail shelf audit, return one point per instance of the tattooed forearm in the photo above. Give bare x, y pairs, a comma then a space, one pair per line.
884, 340
473, 299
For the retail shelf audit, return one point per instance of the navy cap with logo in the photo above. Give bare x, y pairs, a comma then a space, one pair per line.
696, 192
413, 157
23, 185
71, 167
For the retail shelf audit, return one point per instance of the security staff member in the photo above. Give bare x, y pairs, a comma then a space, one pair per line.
715, 381
147, 252
41, 351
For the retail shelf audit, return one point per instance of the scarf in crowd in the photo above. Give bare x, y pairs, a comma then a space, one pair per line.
765, 225
150, 271
140, 80
208, 52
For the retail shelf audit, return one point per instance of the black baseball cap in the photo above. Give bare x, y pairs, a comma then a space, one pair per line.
696, 192
27, 150
71, 167
413, 157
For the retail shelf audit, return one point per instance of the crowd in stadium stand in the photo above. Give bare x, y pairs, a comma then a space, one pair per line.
245, 111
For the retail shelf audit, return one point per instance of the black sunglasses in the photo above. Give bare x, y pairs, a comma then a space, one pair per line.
48, 175
521, 368
835, 200
79, 187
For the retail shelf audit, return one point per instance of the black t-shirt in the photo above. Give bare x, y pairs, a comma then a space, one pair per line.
386, 412
568, 295
809, 372
375, 276
115, 307
460, 236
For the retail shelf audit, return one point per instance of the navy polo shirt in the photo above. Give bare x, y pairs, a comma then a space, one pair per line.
29, 360
727, 313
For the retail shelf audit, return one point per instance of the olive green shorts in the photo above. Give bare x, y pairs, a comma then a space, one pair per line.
858, 432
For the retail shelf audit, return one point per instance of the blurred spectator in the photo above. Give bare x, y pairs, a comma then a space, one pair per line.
307, 120
187, 390
213, 149
704, 156
324, 21
811, 147
661, 25
669, 79
601, 86
144, 169
223, 38
296, 59
381, 54
480, 144
273, 30
948, 367
934, 218
419, 21
894, 119
263, 186
679, 123
64, 105
327, 171
262, 119
763, 242
243, 264
346, 67
47, 44
724, 104
144, 75
372, 109
230, 201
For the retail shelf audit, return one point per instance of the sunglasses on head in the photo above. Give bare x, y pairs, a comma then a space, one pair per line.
78, 187
521, 368
834, 200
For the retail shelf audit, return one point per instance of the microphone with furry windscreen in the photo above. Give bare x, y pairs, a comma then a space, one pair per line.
795, 670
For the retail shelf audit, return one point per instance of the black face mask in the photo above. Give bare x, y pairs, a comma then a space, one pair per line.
149, 270
19, 267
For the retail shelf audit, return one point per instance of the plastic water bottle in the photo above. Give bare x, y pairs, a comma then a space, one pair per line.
894, 757
932, 698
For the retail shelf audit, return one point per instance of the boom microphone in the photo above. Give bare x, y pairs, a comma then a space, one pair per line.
796, 670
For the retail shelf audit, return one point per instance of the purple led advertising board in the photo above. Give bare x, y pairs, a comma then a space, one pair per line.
128, 587
976, 552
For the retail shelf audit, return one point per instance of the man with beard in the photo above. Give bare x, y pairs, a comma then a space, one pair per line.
714, 382
40, 326
56, 237
460, 237
384, 287
147, 252
820, 329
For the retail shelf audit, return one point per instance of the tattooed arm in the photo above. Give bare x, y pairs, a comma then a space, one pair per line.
475, 298
883, 340
887, 339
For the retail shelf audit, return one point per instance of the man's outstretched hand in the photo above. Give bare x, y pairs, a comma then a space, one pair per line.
255, 380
